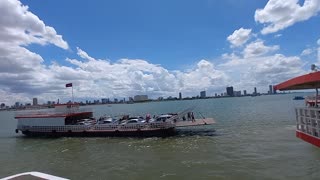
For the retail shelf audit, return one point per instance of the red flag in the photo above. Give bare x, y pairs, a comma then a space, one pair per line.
69, 85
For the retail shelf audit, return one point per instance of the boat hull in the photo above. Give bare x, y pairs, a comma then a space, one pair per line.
308, 138
132, 133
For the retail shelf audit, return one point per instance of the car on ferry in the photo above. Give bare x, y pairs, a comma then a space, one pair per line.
163, 118
139, 118
83, 123
132, 121
89, 121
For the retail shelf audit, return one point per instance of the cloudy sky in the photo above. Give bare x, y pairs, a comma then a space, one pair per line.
111, 49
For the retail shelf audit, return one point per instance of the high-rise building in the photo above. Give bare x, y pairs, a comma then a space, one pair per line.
230, 91
237, 93
180, 95
244, 92
270, 89
34, 101
104, 100
17, 104
255, 91
203, 94
140, 97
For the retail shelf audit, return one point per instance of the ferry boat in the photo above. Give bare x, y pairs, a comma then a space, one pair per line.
71, 120
308, 117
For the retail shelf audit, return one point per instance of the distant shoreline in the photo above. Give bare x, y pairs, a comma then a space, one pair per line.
45, 106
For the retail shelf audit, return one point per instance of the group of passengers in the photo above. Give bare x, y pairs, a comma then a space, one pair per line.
190, 116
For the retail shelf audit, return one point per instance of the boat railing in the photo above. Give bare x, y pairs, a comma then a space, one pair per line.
71, 128
312, 97
155, 125
308, 120
81, 128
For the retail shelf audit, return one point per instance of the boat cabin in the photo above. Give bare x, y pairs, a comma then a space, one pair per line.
307, 118
63, 114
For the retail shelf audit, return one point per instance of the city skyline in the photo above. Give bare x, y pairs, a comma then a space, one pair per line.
230, 92
154, 48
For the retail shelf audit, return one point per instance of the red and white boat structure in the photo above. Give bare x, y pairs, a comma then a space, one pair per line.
71, 120
308, 117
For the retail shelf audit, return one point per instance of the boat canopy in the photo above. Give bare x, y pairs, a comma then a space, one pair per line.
307, 81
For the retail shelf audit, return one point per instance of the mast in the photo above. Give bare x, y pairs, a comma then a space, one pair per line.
316, 102
73, 98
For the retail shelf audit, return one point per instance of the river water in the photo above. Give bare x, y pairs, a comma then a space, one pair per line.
254, 138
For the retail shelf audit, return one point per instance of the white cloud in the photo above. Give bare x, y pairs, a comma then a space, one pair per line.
227, 56
204, 77
258, 66
306, 52
280, 14
128, 77
7, 96
97, 78
239, 37
277, 35
258, 48
262, 71
19, 26
22, 70
84, 55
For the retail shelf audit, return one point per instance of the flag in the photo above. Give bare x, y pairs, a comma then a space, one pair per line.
69, 85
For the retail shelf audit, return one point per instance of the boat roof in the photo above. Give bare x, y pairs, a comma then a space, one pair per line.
307, 81
50, 115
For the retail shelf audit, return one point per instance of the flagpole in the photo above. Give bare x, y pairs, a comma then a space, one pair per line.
72, 95
71, 85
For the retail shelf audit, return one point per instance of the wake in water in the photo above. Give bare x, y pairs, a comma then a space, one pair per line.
290, 127
196, 132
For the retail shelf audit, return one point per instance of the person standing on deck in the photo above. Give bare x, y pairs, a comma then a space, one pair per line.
192, 117
148, 117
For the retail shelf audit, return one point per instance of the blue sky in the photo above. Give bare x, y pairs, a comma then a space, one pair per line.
123, 48
171, 33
